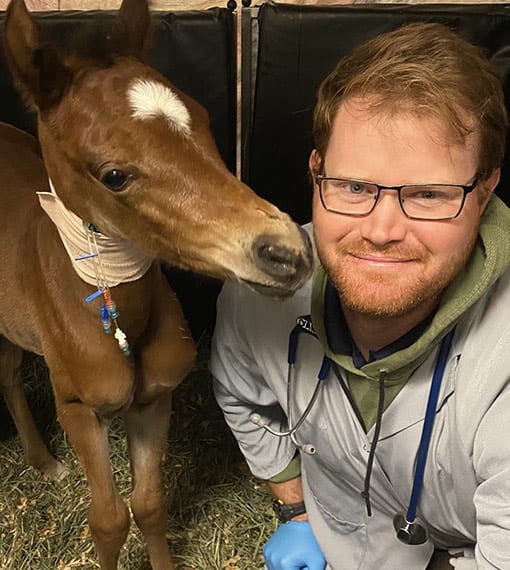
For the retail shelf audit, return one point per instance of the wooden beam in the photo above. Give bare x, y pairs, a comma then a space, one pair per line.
35, 5
155, 4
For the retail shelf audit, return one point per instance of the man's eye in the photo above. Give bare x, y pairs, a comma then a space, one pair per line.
356, 188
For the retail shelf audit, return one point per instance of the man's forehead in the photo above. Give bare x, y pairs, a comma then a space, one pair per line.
371, 112
396, 148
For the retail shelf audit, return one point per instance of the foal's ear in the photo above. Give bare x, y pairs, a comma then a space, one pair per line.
133, 23
36, 67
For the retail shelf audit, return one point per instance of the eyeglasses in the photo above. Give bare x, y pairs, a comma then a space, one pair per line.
418, 201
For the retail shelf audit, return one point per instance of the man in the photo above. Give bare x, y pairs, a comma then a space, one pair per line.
410, 303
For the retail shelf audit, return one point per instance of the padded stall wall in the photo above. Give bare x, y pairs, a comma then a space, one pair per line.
298, 46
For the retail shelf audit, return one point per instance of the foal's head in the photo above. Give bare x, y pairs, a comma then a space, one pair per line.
133, 155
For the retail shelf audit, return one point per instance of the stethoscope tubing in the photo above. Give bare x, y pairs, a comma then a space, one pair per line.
321, 376
428, 423
323, 373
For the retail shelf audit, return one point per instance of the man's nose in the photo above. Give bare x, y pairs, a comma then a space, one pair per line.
387, 222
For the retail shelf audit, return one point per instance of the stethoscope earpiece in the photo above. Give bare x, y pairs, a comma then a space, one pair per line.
257, 420
411, 533
308, 448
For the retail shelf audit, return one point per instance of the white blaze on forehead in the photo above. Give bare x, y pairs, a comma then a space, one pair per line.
149, 99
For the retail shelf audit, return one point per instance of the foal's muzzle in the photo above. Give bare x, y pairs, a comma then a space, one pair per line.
287, 268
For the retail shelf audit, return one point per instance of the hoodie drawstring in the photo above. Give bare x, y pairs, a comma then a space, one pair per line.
371, 456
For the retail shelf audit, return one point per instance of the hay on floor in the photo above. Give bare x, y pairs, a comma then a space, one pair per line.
218, 514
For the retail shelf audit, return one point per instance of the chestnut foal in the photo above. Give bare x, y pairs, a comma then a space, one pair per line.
127, 173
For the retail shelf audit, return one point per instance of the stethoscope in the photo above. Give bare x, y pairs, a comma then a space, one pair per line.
409, 528
304, 325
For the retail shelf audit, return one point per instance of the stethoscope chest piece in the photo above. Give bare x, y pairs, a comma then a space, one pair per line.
411, 533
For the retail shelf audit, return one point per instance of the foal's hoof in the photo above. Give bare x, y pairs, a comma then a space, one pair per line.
56, 471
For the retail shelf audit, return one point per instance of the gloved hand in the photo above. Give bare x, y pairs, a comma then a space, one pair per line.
293, 547
466, 560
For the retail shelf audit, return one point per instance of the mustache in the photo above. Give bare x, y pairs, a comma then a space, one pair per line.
395, 251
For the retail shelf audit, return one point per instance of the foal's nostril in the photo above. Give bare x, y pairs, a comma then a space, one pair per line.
277, 260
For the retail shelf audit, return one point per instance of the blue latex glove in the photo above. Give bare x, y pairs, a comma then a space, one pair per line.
293, 547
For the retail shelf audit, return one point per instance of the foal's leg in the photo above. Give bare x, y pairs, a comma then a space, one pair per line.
147, 431
108, 515
166, 355
11, 386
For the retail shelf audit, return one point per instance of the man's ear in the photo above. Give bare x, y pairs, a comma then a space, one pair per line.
488, 187
493, 180
314, 162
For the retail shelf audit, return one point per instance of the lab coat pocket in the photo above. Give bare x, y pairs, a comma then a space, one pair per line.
350, 539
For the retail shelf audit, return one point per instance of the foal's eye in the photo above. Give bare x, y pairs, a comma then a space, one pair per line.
115, 179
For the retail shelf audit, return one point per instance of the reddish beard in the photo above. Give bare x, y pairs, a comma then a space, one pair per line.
379, 293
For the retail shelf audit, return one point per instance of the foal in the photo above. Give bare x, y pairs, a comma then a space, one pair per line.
127, 173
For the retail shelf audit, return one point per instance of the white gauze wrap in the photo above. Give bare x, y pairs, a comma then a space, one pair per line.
121, 261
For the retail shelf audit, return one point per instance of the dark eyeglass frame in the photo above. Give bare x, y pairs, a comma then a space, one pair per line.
466, 188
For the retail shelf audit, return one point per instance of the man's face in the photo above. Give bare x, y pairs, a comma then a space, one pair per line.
384, 264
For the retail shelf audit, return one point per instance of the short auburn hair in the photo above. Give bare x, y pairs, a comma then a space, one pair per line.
430, 70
